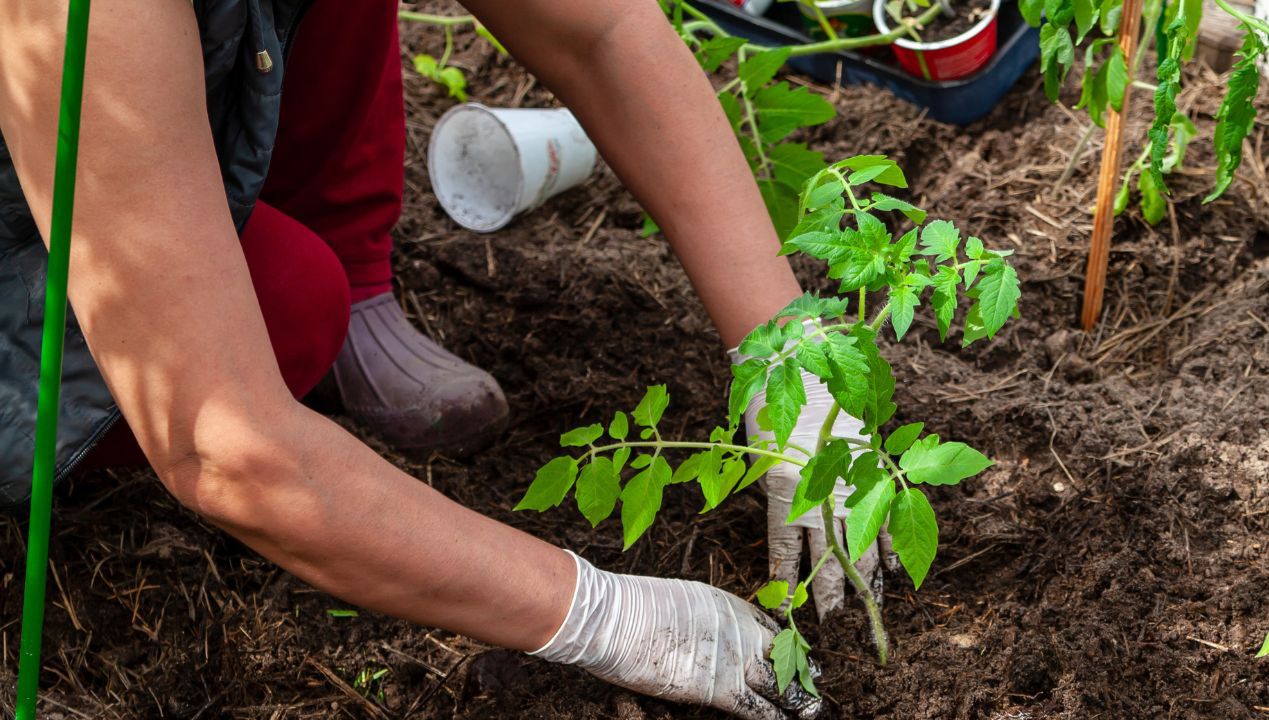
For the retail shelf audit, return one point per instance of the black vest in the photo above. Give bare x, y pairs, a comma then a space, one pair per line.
244, 43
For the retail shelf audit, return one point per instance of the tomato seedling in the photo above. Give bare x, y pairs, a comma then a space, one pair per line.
627, 461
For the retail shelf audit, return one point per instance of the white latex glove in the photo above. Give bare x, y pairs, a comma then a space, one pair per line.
785, 542
675, 639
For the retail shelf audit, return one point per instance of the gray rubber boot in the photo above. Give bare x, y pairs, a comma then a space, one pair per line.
412, 392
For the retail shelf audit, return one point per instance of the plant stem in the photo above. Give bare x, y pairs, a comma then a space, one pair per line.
863, 303
828, 553
449, 47
661, 444
1250, 22
752, 121
881, 315
823, 21
437, 19
1075, 157
879, 637
860, 42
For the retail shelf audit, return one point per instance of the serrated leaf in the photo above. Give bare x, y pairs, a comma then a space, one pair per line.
877, 407
997, 295
782, 206
757, 469
781, 109
903, 303
793, 164
582, 436
773, 594
717, 481
758, 69
822, 471
914, 533
893, 174
716, 50
940, 239
690, 469
864, 473
903, 437
800, 596
550, 485
829, 246
641, 500
648, 412
1237, 114
866, 517
789, 658
933, 463
887, 203
808, 305
619, 428
763, 341
747, 379
598, 488
850, 381
785, 397
812, 356
944, 298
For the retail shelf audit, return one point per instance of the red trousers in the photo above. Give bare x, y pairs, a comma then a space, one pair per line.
319, 238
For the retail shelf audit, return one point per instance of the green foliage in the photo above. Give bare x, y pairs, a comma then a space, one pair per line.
1264, 649
1237, 114
872, 243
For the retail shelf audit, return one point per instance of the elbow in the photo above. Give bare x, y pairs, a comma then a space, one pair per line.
233, 480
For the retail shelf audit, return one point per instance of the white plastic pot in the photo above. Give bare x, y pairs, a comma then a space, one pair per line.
488, 165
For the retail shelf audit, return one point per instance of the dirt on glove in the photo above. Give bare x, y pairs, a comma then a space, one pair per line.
1112, 564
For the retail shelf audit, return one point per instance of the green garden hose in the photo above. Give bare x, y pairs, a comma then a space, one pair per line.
51, 359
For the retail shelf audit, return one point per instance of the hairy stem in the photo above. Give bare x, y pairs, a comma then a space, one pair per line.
879, 638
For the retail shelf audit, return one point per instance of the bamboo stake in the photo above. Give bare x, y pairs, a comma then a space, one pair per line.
1108, 178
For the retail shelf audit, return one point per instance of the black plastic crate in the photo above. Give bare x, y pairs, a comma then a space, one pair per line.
959, 101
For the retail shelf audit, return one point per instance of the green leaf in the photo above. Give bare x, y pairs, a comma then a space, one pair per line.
649, 227
1059, 12
893, 174
598, 488
582, 436
733, 110
619, 427
933, 463
1085, 17
782, 206
758, 69
793, 164
342, 613
781, 109
641, 499
1237, 114
914, 533
773, 594
800, 596
866, 517
426, 66
887, 203
483, 32
903, 303
1032, 11
550, 485
454, 81
747, 379
1154, 207
877, 407
757, 469
789, 658
822, 471
716, 50
818, 194
619, 458
690, 469
763, 341
998, 294
1056, 55
1264, 649
866, 175
785, 397
944, 298
850, 383
814, 359
940, 239
1116, 78
1112, 10
648, 412
808, 305
717, 481
903, 437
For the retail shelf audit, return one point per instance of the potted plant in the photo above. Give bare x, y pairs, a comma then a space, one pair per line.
958, 43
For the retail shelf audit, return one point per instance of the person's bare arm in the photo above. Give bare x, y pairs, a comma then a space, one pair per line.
642, 98
161, 289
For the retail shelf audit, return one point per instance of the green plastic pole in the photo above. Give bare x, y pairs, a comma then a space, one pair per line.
51, 359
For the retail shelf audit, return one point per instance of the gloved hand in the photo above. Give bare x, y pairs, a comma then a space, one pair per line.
785, 542
675, 639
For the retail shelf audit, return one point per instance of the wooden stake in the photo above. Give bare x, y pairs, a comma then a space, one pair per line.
1108, 178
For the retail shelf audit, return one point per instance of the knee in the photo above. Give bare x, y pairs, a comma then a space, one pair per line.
303, 293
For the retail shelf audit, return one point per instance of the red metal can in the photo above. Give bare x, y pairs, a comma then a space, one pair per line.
948, 59
753, 7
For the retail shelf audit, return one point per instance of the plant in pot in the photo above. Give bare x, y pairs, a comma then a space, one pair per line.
957, 44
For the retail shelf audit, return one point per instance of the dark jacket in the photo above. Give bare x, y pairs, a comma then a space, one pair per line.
244, 46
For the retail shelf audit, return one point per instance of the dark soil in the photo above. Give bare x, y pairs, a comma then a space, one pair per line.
968, 13
1112, 564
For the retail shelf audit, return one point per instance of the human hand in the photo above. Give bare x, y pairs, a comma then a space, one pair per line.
678, 640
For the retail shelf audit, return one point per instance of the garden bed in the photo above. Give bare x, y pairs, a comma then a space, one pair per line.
1112, 564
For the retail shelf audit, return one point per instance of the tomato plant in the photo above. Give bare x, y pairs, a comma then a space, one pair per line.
439, 70
840, 219
1173, 26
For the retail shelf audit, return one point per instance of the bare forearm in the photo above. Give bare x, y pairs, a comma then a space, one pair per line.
652, 112
330, 510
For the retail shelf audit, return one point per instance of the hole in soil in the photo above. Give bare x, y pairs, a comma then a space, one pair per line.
1260, 245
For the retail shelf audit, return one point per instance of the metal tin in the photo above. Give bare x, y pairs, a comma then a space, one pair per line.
753, 7
949, 59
